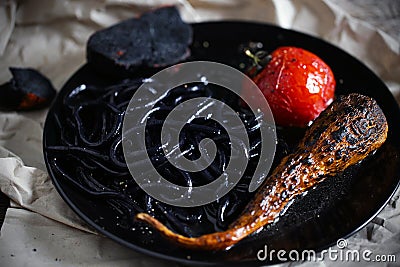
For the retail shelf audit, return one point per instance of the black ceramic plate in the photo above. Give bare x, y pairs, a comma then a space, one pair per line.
337, 208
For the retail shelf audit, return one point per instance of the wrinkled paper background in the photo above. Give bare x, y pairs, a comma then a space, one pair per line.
50, 35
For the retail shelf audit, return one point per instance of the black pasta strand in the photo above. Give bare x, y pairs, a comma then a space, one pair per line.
113, 153
83, 150
84, 188
94, 146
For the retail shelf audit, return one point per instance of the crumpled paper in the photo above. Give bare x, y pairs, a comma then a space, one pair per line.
50, 35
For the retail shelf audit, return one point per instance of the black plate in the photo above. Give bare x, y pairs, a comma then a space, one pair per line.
337, 208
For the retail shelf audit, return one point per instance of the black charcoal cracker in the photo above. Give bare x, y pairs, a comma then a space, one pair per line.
156, 39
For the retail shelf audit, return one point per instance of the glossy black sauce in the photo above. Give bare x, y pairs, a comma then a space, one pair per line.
92, 158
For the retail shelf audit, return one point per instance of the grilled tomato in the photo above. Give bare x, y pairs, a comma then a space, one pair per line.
297, 84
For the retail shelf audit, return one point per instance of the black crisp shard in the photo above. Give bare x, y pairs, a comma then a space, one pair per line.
28, 89
156, 39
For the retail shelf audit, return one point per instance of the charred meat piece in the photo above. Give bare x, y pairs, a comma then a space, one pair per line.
28, 89
350, 129
156, 39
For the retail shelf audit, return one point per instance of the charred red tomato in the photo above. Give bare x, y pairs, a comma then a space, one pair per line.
297, 84
28, 89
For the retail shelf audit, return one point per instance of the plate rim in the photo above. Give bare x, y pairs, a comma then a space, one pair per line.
160, 255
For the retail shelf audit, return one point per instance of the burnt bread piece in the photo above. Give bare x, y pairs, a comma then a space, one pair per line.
28, 89
349, 130
156, 39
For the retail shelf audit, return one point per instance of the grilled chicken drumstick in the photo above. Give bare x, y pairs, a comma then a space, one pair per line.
350, 129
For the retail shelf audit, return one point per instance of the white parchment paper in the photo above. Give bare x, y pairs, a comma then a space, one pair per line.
50, 35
